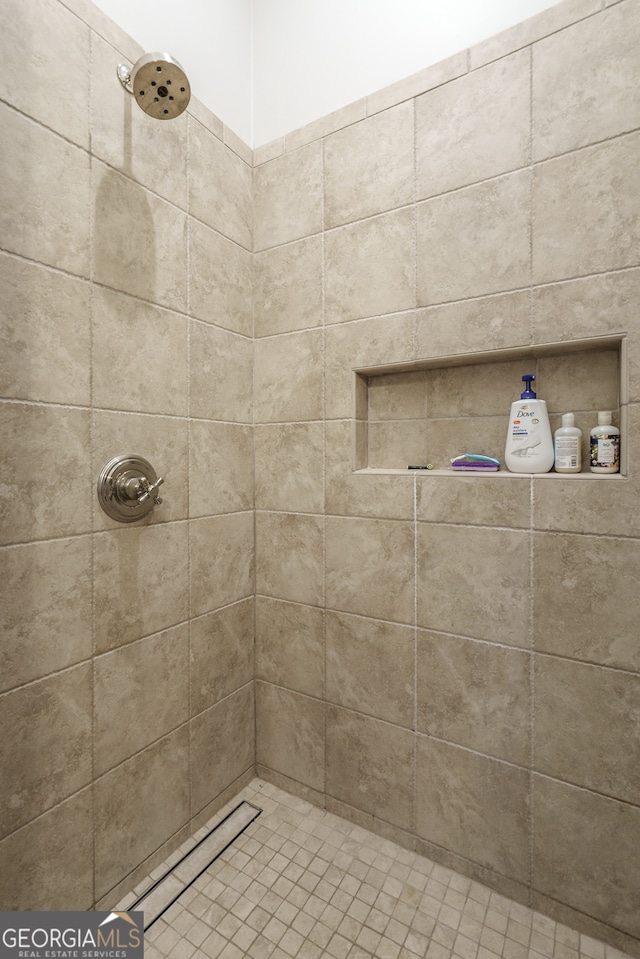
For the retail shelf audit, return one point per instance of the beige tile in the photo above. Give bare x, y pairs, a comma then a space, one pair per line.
417, 83
138, 806
222, 653
584, 598
370, 667
484, 230
287, 195
475, 499
369, 267
397, 396
42, 444
486, 570
220, 468
220, 285
222, 561
290, 645
45, 592
289, 557
336, 120
367, 764
226, 732
475, 695
361, 494
136, 379
140, 241
478, 434
290, 734
268, 151
557, 17
47, 50
580, 381
577, 98
44, 196
288, 287
369, 568
477, 390
488, 822
223, 201
289, 467
47, 757
140, 582
221, 382
123, 136
369, 166
162, 441
45, 335
583, 715
598, 877
396, 444
49, 863
590, 307
597, 187
288, 377
141, 693
481, 119
490, 323
587, 505
371, 342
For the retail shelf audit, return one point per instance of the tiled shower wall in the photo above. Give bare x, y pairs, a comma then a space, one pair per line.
126, 698
454, 661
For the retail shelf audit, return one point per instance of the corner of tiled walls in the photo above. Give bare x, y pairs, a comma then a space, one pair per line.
127, 702
453, 661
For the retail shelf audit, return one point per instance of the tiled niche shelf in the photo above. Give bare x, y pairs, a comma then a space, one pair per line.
427, 411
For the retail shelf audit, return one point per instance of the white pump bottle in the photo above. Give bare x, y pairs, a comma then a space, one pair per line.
529, 447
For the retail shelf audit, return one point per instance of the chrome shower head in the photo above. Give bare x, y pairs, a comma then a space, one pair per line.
159, 85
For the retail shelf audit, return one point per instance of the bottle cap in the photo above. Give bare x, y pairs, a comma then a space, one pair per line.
568, 419
604, 418
528, 392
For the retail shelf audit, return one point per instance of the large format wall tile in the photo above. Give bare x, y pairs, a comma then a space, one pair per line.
138, 806
370, 568
599, 877
369, 267
584, 592
220, 468
138, 349
491, 598
475, 694
578, 98
598, 188
475, 127
44, 195
502, 502
47, 757
48, 864
220, 286
287, 196
221, 382
370, 667
367, 765
582, 715
491, 323
141, 694
45, 608
289, 557
369, 166
288, 377
485, 231
41, 444
222, 561
222, 201
489, 820
222, 653
141, 582
45, 337
289, 467
290, 645
288, 287
290, 734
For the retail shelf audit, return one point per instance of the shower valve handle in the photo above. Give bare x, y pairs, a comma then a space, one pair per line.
145, 490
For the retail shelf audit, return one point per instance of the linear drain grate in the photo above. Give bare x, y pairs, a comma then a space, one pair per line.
157, 899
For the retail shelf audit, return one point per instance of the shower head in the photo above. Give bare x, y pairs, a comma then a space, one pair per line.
159, 85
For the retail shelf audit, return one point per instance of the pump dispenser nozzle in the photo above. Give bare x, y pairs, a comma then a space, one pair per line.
528, 392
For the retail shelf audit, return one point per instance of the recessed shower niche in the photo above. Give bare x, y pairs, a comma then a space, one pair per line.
425, 412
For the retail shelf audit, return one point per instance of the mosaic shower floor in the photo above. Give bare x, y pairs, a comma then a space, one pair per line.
301, 883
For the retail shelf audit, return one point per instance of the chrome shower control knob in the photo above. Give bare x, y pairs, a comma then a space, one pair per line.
127, 488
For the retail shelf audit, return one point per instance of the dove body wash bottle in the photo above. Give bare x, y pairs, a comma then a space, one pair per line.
529, 447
